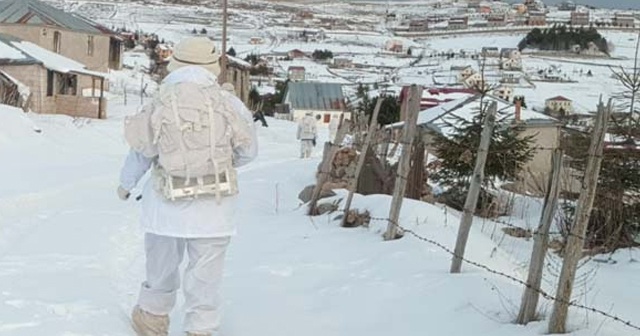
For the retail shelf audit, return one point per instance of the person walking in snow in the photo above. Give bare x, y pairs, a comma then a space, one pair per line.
192, 136
307, 134
333, 128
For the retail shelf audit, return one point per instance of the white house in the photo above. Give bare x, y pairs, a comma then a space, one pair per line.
325, 100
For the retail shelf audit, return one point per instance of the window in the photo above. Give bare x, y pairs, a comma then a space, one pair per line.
57, 42
327, 118
61, 84
50, 75
90, 45
67, 84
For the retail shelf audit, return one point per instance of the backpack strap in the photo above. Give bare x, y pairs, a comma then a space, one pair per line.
183, 150
212, 148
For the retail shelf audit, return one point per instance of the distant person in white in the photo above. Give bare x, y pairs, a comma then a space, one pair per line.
333, 128
200, 226
307, 134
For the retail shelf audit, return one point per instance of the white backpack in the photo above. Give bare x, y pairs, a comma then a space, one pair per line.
193, 129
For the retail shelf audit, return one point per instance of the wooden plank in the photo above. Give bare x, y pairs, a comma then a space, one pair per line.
415, 95
325, 167
531, 294
474, 189
361, 159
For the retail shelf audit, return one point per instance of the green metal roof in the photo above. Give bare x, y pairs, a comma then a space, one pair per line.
37, 13
315, 96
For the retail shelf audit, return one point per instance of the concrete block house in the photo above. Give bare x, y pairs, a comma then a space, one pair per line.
51, 82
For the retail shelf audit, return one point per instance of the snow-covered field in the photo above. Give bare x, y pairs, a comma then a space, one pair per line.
71, 256
71, 253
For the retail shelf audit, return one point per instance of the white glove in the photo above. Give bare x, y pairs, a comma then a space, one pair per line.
123, 193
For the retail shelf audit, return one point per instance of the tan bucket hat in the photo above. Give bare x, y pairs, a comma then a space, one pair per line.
199, 51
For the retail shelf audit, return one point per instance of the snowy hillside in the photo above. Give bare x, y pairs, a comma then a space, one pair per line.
71, 255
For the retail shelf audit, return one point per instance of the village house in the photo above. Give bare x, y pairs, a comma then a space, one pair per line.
544, 130
504, 92
53, 83
510, 77
256, 40
490, 52
394, 46
579, 18
421, 25
537, 19
342, 62
296, 73
71, 36
475, 82
296, 54
624, 20
559, 105
497, 20
458, 23
465, 72
324, 100
510, 59
238, 74
432, 97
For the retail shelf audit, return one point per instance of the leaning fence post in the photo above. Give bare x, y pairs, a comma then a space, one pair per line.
361, 159
413, 109
474, 189
540, 243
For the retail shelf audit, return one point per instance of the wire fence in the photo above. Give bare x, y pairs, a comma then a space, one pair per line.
543, 293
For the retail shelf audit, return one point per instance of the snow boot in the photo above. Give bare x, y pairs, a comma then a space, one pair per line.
147, 324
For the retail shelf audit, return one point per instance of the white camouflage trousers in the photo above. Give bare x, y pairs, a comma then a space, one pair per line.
202, 279
306, 147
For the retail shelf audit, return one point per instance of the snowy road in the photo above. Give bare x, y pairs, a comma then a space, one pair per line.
71, 253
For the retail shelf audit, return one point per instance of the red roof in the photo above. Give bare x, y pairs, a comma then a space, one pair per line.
293, 67
560, 98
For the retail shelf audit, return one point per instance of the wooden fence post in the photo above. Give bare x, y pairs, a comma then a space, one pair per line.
325, 167
361, 159
531, 294
414, 98
474, 189
575, 242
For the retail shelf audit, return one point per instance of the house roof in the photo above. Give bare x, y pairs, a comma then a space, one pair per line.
34, 12
17, 52
238, 62
559, 98
447, 115
296, 67
315, 96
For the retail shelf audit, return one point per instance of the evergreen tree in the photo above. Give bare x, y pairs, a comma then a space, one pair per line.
231, 52
509, 151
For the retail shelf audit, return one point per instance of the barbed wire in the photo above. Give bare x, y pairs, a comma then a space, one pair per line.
543, 293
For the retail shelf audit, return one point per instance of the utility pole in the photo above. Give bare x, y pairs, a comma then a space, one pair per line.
223, 55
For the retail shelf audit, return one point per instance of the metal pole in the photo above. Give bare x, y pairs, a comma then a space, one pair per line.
223, 55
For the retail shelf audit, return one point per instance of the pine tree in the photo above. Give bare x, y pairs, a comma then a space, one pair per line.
508, 153
231, 52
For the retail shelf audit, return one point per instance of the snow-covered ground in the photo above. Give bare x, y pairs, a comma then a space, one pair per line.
71, 253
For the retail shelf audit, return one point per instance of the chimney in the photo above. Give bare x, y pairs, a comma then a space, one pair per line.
518, 116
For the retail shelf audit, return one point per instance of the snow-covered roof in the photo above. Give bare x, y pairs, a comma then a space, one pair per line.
315, 96
16, 51
559, 98
238, 61
34, 12
442, 117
